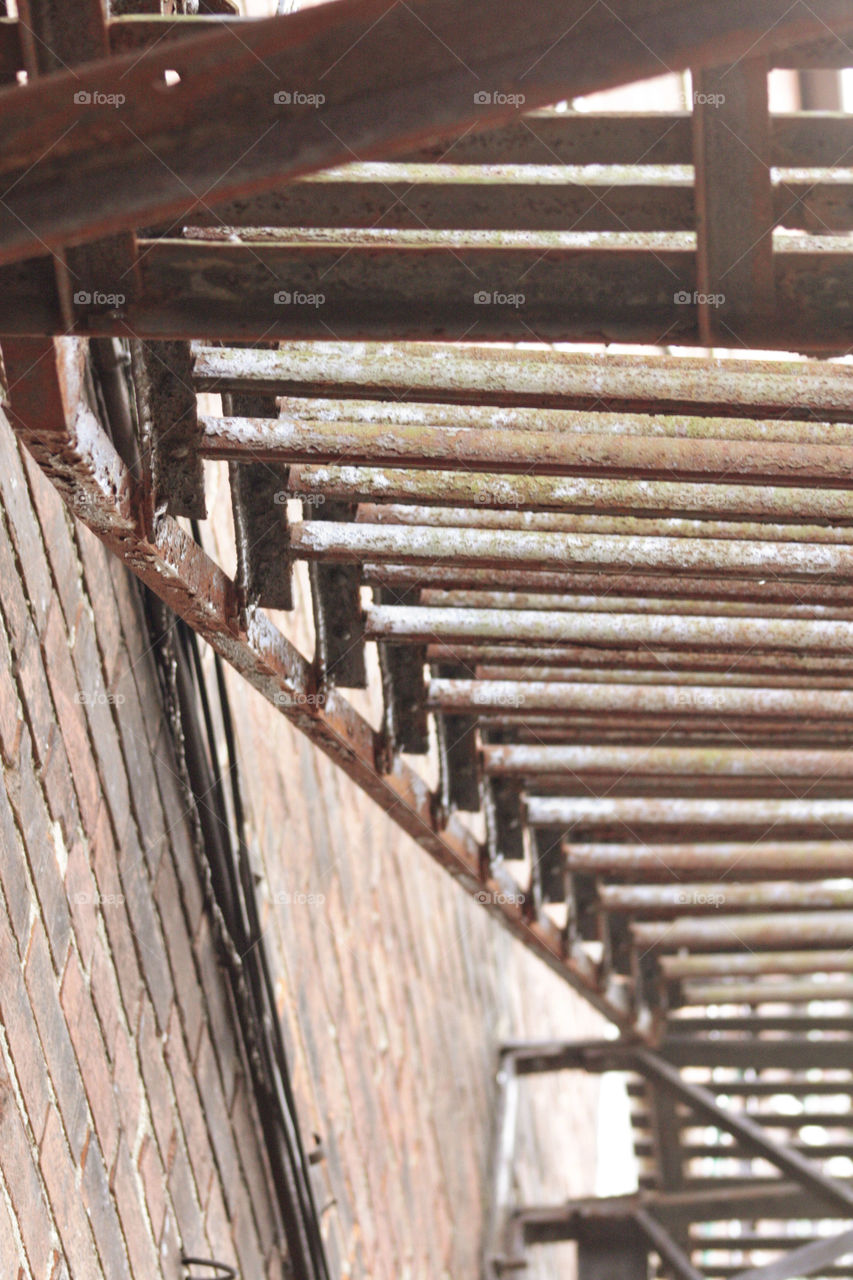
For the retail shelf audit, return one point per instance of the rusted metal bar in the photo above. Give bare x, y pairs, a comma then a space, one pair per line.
670, 1253
634, 292
554, 380
405, 720
726, 762
375, 279
826, 817
153, 174
746, 860
450, 577
403, 198
708, 898
574, 603
361, 443
697, 422
734, 201
798, 1024
746, 1131
168, 418
555, 552
675, 786
623, 526
804, 1261
759, 1053
336, 600
780, 962
412, 198
628, 699
772, 992
744, 1202
508, 495
798, 140
56, 37
50, 415
405, 623
829, 672
734, 679
809, 929
261, 527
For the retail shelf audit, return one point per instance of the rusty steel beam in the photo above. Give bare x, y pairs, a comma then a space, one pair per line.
411, 198
498, 409
798, 140
709, 898
507, 495
720, 762
743, 964
479, 375
639, 525
828, 818
829, 672
810, 929
404, 623
288, 440
747, 860
555, 552
628, 699
51, 417
573, 603
403, 577
398, 89
414, 285
759, 993
734, 201
602, 676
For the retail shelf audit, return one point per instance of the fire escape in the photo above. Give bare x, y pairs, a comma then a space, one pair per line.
612, 593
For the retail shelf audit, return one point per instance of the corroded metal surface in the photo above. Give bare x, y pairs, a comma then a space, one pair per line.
423, 91
480, 375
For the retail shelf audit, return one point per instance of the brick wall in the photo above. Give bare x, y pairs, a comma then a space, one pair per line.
127, 1132
126, 1129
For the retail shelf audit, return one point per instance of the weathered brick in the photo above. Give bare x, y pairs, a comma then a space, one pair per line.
116, 923
11, 1255
59, 1172
98, 1201
67, 694
44, 849
23, 1183
24, 528
98, 584
157, 1083
58, 786
11, 711
22, 1033
81, 890
189, 1106
184, 1196
181, 958
91, 1057
126, 1085
153, 1179
35, 694
56, 526
147, 934
14, 876
56, 1042
130, 1201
